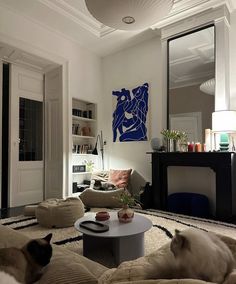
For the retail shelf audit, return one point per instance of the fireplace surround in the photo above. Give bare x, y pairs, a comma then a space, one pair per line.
222, 163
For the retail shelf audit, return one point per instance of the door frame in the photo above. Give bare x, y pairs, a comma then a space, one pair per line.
66, 101
24, 172
196, 115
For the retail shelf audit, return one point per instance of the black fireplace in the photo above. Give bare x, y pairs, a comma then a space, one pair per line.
222, 163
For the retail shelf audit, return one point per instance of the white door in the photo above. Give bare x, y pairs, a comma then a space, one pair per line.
188, 124
26, 137
53, 134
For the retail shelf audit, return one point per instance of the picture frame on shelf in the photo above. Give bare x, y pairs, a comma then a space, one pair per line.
79, 168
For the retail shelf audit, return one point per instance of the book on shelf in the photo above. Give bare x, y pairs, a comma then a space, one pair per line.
82, 149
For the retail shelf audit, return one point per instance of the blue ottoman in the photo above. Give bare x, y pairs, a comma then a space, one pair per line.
192, 204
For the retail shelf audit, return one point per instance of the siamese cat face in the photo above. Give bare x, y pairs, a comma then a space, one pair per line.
26, 264
40, 250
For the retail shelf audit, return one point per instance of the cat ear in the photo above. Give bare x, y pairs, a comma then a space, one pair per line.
48, 237
179, 243
180, 240
177, 232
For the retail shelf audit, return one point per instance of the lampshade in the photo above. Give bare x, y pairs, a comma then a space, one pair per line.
224, 121
208, 87
129, 14
95, 150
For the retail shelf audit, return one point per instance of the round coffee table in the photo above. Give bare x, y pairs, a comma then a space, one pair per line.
126, 240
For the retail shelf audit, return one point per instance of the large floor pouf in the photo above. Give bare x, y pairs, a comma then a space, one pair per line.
59, 213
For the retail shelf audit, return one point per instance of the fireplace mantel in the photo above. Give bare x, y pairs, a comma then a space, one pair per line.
222, 163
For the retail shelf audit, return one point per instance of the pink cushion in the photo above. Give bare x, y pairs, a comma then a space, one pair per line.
120, 177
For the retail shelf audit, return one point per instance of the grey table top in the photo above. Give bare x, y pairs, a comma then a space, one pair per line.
139, 224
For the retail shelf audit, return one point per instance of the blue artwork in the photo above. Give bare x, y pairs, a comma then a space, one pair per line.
130, 114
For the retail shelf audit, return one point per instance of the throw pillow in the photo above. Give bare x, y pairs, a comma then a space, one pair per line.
120, 178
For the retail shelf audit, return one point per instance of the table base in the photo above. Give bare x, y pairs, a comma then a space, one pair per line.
123, 248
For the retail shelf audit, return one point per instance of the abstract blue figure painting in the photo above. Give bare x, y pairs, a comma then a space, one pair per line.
130, 114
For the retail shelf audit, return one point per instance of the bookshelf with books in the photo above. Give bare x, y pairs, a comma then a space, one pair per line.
84, 132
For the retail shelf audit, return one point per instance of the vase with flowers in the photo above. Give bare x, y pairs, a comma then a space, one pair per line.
174, 140
126, 214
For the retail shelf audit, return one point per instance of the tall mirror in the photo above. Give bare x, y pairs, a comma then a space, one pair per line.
191, 83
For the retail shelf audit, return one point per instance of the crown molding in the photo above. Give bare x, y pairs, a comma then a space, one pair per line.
201, 19
78, 17
184, 9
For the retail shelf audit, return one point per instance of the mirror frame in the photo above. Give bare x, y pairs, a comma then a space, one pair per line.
168, 60
220, 17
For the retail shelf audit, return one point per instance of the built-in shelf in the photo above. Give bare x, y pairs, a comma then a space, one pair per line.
82, 137
84, 133
81, 173
76, 154
80, 118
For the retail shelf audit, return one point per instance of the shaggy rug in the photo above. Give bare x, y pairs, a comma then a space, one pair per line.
164, 225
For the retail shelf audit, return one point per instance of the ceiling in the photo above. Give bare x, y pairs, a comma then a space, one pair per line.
192, 59
72, 20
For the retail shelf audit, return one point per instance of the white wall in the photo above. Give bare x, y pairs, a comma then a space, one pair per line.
84, 68
136, 65
127, 69
232, 61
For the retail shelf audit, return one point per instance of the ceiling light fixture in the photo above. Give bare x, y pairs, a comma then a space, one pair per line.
128, 20
141, 13
208, 87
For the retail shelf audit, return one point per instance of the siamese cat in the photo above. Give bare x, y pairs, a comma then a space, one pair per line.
202, 255
7, 279
26, 264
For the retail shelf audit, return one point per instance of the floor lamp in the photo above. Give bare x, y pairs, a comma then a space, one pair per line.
95, 151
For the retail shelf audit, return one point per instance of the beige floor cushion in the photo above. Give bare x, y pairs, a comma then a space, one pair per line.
59, 213
29, 210
97, 198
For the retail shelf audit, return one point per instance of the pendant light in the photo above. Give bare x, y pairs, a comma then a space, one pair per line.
129, 14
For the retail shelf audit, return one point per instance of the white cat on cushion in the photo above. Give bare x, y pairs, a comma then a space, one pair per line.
202, 255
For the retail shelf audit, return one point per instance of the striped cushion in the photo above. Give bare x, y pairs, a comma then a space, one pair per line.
67, 272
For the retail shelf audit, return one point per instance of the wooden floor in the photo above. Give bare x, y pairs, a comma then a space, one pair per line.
10, 212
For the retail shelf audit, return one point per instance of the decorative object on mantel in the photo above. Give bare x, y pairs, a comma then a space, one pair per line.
155, 143
208, 139
129, 14
126, 214
175, 140
223, 121
224, 142
130, 110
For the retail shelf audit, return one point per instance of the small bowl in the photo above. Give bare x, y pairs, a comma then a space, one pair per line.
102, 216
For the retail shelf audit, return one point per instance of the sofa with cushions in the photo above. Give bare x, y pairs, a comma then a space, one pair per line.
106, 187
67, 267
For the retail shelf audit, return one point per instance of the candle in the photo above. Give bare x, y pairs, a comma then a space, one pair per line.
191, 147
208, 140
198, 147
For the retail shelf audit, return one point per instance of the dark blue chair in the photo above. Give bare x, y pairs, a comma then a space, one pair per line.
192, 204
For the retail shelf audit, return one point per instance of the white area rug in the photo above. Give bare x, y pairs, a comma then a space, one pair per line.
164, 225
